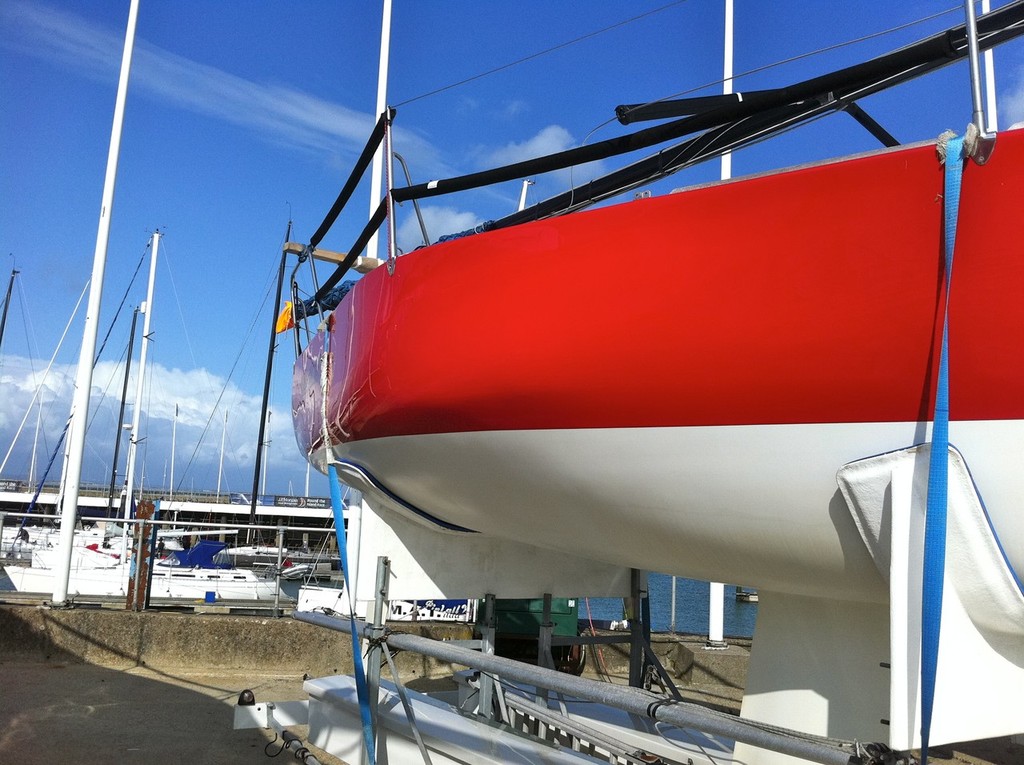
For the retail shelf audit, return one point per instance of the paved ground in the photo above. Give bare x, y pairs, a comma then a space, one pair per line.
84, 714
79, 713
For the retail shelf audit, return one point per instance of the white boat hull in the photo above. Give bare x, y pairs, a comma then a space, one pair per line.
185, 583
753, 505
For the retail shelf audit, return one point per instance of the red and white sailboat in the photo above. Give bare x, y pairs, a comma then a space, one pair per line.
777, 332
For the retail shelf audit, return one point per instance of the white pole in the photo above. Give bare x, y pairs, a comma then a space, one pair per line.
522, 194
174, 439
991, 122
35, 443
354, 536
266, 450
223, 438
716, 603
83, 379
133, 443
727, 79
307, 478
382, 103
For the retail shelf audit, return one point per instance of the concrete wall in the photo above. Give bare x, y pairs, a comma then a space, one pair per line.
161, 640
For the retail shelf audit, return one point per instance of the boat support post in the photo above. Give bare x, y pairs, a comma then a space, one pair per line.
487, 640
277, 570
376, 638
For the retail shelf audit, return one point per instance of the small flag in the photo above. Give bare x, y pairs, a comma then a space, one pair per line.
286, 320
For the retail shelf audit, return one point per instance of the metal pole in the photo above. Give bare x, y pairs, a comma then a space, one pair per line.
120, 416
140, 548
266, 454
35, 445
716, 597
637, 659
382, 103
220, 467
174, 440
266, 392
83, 380
376, 631
486, 707
992, 123
7, 304
986, 139
972, 47
147, 309
277, 570
632, 700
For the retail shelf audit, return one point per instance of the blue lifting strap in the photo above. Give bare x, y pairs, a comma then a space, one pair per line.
938, 468
357, 656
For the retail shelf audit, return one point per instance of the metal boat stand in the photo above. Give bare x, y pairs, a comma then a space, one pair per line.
503, 707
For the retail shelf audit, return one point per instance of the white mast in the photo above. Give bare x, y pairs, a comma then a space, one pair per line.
174, 438
991, 122
133, 443
35, 443
382, 103
223, 438
83, 380
522, 194
716, 603
266, 450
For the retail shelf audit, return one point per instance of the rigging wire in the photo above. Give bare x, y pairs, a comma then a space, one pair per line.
110, 328
539, 54
223, 390
38, 387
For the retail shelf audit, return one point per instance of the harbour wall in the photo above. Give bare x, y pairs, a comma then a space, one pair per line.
164, 640
218, 642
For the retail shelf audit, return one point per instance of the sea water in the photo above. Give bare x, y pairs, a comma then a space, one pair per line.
692, 607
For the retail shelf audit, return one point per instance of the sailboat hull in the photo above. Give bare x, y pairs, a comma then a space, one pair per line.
674, 382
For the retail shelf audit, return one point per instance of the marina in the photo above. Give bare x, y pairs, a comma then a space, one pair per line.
651, 464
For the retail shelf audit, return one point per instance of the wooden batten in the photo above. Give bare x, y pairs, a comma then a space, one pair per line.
362, 265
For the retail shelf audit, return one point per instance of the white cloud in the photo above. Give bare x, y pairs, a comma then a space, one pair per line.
276, 113
550, 140
1011, 102
439, 220
197, 438
553, 138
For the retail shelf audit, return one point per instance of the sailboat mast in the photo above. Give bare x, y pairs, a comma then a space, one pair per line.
83, 380
716, 598
120, 416
992, 121
174, 440
220, 467
382, 104
147, 309
7, 304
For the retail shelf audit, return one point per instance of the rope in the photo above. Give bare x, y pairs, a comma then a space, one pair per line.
937, 505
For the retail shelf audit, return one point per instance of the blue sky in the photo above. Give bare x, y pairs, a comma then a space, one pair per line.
242, 115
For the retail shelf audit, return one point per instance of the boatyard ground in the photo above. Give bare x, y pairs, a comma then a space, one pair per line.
90, 685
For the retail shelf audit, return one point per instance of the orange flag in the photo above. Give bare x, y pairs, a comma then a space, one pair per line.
286, 320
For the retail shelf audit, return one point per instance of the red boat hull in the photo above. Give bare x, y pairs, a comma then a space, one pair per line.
728, 348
